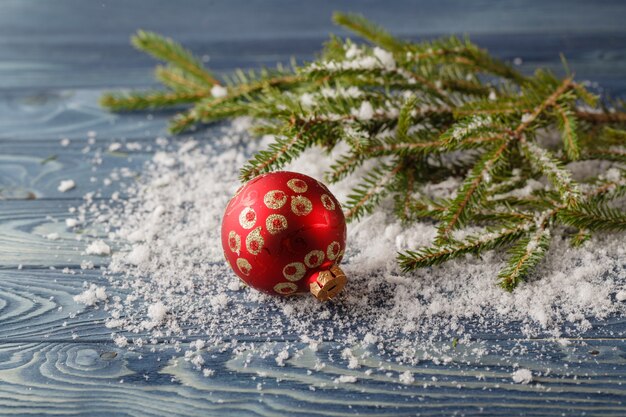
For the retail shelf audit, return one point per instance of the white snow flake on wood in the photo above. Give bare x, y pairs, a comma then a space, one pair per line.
99, 248
407, 378
66, 185
522, 376
91, 296
345, 379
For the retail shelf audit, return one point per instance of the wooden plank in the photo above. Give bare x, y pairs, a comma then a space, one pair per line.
34, 169
99, 379
24, 226
52, 115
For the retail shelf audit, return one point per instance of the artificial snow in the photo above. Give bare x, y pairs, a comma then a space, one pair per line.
345, 379
522, 376
365, 112
157, 312
70, 222
66, 185
92, 295
169, 266
218, 91
407, 378
99, 248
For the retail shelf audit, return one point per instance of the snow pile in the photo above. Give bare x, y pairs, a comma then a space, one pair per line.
169, 264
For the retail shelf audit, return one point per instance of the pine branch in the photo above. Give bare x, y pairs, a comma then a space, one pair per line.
438, 254
173, 53
471, 192
545, 163
594, 217
423, 114
177, 80
374, 187
149, 100
567, 125
368, 30
525, 254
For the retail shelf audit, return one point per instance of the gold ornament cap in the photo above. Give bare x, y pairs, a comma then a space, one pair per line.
326, 284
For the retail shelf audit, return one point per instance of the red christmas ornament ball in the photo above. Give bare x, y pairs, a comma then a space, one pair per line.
284, 233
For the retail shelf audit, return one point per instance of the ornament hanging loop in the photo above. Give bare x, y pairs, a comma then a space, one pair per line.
328, 283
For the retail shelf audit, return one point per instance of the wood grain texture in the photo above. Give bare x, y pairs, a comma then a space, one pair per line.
89, 379
57, 357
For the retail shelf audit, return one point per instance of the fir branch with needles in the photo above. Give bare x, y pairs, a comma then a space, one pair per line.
420, 113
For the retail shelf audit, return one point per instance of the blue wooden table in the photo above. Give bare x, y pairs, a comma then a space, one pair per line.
56, 58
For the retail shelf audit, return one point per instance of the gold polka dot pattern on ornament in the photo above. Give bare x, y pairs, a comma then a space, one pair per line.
244, 266
300, 205
297, 185
328, 202
247, 218
333, 251
276, 223
275, 199
314, 258
234, 242
254, 241
285, 288
294, 271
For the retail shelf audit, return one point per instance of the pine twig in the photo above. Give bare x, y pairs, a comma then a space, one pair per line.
422, 114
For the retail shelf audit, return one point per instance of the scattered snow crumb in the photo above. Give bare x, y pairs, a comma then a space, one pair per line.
522, 376
91, 296
115, 146
345, 379
66, 185
157, 312
234, 285
52, 236
71, 222
407, 378
99, 248
65, 142
621, 295
218, 91
208, 372
120, 341
282, 356
86, 264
